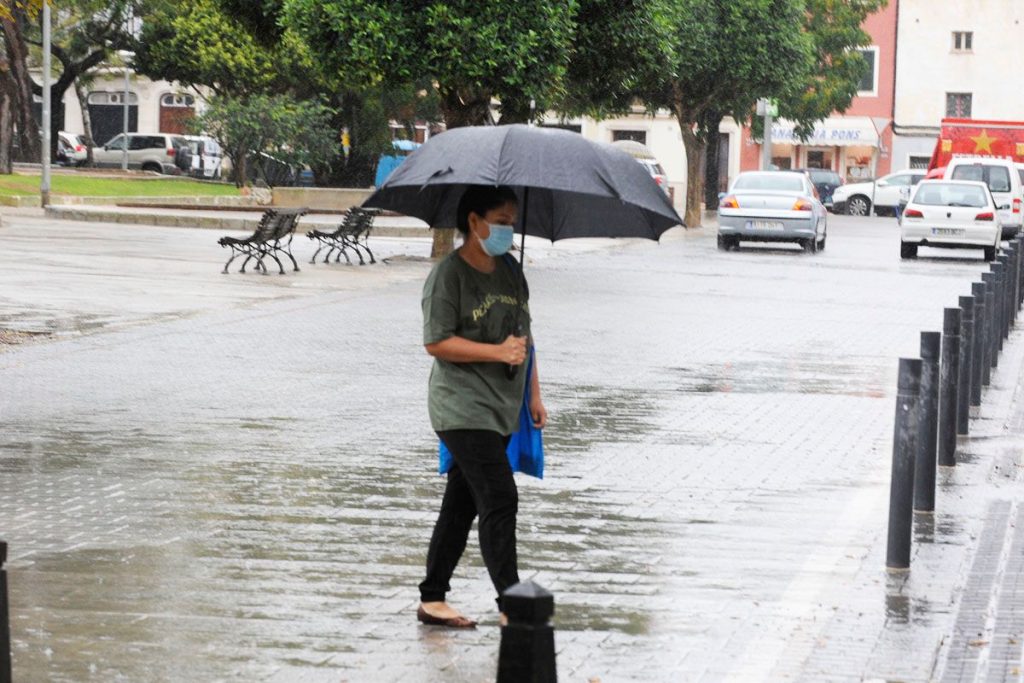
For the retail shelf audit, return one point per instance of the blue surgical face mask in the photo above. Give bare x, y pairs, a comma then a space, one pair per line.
499, 241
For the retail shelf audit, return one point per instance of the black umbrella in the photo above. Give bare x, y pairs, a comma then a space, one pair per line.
568, 186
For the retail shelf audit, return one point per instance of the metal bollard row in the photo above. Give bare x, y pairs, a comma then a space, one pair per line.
936, 392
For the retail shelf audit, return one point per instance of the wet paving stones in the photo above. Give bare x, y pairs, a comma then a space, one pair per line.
240, 482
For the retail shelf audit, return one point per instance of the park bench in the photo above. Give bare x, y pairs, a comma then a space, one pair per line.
272, 236
352, 233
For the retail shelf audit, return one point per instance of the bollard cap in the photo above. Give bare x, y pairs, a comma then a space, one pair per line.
951, 321
931, 343
988, 278
909, 376
967, 305
3, 553
978, 289
528, 603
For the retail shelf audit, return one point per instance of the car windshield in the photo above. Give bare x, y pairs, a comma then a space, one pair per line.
951, 194
996, 177
783, 182
829, 177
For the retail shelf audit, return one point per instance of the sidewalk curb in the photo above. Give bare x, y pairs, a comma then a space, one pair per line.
95, 215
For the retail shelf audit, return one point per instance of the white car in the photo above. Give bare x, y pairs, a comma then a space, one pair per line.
1003, 181
882, 195
207, 156
71, 149
950, 214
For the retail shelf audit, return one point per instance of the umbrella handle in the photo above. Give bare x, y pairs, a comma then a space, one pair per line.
512, 370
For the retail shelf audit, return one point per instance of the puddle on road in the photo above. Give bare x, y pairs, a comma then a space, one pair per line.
590, 414
795, 376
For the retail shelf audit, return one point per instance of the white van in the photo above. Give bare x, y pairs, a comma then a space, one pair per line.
1003, 181
207, 156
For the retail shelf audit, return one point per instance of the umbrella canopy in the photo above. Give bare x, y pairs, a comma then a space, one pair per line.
568, 186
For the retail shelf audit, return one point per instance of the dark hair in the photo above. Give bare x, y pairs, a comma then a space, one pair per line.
480, 199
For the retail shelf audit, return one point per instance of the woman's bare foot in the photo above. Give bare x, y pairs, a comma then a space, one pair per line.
440, 610
442, 614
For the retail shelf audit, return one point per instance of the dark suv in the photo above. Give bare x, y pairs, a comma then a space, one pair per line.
825, 182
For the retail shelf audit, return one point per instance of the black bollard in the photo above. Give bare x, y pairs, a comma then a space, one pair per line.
978, 343
996, 271
904, 450
991, 315
1014, 280
1019, 284
999, 271
949, 390
1007, 271
963, 399
527, 653
5, 620
927, 437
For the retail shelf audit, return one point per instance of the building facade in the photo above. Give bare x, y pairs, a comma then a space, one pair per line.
954, 59
153, 106
858, 143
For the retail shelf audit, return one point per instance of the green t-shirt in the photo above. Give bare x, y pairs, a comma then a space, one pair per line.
459, 300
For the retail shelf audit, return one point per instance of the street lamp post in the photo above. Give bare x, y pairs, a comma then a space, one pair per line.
44, 184
127, 92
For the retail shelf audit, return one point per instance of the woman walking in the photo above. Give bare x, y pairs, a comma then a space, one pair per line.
476, 323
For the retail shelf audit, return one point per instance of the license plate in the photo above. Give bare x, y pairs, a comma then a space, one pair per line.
948, 232
766, 225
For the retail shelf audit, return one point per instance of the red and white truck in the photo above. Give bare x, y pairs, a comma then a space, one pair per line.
976, 137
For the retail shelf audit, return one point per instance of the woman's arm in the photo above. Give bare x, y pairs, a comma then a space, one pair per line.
460, 350
537, 410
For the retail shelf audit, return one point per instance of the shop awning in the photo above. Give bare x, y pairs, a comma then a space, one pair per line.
845, 131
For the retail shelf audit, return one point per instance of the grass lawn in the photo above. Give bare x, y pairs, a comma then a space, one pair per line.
91, 186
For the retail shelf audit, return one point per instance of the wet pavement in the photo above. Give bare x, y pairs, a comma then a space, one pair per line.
214, 477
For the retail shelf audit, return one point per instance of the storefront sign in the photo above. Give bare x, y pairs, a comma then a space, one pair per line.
824, 136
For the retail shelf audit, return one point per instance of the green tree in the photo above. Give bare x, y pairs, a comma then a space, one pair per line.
244, 50
470, 53
195, 43
726, 55
84, 35
295, 132
834, 29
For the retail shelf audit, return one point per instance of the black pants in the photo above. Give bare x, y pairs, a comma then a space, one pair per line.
480, 483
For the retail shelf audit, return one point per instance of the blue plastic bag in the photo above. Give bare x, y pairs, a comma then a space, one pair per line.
525, 448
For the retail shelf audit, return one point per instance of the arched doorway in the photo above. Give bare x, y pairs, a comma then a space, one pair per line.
106, 110
175, 113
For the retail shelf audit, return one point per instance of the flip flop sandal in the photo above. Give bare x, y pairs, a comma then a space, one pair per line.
450, 622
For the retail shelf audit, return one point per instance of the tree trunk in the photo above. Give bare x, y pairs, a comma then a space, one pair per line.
83, 98
694, 172
7, 94
17, 57
460, 108
712, 163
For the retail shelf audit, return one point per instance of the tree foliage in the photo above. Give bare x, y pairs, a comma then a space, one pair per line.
194, 42
84, 35
295, 132
705, 59
470, 51
834, 29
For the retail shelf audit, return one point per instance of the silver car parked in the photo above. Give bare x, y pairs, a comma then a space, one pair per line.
772, 206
